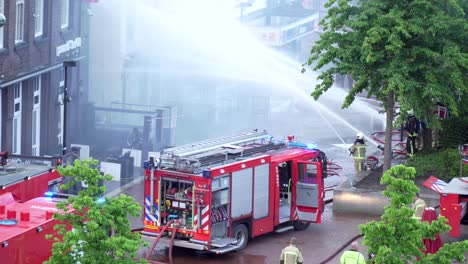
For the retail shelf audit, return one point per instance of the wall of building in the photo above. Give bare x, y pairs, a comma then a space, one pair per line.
43, 56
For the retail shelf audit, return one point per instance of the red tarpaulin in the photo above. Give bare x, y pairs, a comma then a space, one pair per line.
432, 246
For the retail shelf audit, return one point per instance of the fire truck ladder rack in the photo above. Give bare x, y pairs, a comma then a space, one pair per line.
191, 157
216, 159
211, 144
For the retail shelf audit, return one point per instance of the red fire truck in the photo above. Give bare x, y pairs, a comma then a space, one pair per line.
23, 227
453, 201
214, 195
28, 177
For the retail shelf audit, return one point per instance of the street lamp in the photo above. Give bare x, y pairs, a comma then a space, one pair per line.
66, 99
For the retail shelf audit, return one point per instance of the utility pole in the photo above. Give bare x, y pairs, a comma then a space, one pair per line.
66, 99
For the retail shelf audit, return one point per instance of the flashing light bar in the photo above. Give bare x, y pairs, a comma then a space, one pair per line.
50, 194
302, 145
100, 200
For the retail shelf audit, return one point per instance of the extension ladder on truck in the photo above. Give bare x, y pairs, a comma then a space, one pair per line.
207, 152
211, 144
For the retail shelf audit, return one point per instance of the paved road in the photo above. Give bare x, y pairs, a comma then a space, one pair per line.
317, 242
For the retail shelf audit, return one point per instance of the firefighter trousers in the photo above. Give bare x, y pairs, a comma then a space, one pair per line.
358, 164
411, 145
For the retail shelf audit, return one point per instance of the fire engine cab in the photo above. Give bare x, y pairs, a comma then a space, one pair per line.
214, 195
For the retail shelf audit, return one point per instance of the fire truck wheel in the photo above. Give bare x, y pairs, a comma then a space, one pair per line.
241, 233
299, 225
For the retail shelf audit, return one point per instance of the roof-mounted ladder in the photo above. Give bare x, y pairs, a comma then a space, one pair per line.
212, 144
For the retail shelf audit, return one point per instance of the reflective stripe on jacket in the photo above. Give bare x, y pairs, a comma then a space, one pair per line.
359, 151
291, 255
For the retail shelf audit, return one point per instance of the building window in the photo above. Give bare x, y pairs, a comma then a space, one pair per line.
17, 90
36, 116
65, 13
19, 30
2, 11
17, 118
37, 90
38, 18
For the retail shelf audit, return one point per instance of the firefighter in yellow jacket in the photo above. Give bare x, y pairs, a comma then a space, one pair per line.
291, 254
352, 255
358, 151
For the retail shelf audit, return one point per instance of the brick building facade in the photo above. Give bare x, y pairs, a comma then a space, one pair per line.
38, 37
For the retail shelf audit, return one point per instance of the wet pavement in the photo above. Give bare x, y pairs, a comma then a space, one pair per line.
317, 243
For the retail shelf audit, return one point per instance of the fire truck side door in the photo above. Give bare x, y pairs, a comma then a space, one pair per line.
308, 191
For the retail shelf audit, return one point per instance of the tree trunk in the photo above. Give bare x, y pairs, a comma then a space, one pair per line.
427, 132
388, 131
427, 139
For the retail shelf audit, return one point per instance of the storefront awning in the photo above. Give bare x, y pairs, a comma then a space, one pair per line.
35, 73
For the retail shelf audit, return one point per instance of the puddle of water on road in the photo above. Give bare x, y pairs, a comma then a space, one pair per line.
190, 256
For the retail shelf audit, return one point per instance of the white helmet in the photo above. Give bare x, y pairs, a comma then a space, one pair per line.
410, 112
360, 135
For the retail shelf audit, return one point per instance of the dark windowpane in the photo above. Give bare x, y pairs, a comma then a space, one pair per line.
34, 123
15, 135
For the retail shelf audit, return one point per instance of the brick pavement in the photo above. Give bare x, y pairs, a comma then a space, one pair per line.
317, 242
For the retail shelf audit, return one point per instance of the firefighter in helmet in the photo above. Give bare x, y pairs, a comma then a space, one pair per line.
358, 151
412, 131
135, 139
291, 254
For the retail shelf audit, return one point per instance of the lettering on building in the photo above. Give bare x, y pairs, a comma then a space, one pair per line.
68, 46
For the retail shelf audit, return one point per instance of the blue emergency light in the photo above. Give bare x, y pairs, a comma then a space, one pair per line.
49, 194
302, 145
206, 174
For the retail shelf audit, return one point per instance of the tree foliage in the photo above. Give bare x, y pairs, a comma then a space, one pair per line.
413, 51
398, 238
100, 227
445, 164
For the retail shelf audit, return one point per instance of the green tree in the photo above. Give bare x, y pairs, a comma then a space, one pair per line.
398, 238
411, 51
100, 227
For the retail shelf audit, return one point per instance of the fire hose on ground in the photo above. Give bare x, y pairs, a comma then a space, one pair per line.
341, 249
153, 246
171, 243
